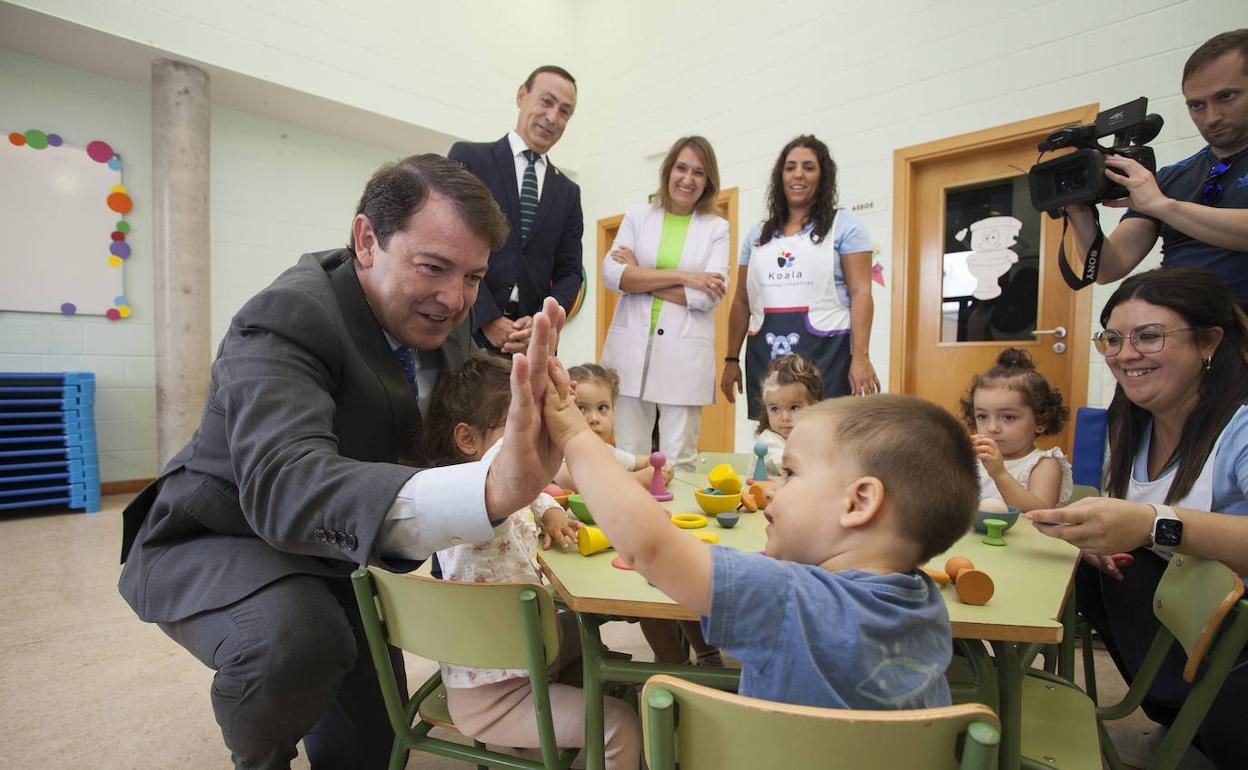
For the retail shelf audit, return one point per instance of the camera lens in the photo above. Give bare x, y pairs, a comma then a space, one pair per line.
1072, 180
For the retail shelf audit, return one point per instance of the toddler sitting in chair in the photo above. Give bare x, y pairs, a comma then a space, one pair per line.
466, 417
836, 612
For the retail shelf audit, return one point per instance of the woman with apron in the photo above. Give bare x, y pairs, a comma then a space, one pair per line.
804, 283
1178, 466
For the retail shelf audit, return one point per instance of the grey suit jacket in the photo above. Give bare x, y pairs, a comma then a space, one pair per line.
297, 458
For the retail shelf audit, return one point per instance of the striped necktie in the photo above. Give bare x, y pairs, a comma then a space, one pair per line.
528, 195
407, 359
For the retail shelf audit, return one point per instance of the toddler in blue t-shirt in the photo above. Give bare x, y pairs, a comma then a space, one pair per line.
836, 613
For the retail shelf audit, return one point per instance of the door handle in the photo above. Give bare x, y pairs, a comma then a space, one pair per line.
1059, 332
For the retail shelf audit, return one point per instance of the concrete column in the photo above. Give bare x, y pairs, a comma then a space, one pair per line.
181, 113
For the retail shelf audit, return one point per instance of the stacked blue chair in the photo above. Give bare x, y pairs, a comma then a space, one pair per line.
1088, 458
48, 452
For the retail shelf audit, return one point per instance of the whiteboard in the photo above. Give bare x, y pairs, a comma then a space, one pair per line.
62, 210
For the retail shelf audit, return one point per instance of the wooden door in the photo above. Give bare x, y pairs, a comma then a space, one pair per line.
719, 419
946, 325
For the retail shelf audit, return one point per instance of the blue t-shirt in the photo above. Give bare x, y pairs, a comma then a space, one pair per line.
1183, 181
811, 637
1230, 467
848, 237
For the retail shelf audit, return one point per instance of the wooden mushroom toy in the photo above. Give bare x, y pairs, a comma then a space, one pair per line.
973, 586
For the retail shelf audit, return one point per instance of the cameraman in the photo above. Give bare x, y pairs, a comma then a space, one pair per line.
1199, 206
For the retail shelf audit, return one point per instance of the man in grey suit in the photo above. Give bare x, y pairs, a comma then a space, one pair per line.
305, 464
542, 256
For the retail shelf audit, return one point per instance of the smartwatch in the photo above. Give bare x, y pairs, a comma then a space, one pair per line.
1167, 529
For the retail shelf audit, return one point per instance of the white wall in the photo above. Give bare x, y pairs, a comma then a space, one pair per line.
447, 66
867, 78
748, 74
278, 190
80, 107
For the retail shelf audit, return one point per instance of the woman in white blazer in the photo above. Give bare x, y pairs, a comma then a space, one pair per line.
669, 263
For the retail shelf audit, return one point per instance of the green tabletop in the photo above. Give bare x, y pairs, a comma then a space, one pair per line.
1032, 576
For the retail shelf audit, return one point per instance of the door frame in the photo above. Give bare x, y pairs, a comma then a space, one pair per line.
907, 163
717, 435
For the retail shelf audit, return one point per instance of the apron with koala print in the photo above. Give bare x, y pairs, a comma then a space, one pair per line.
795, 307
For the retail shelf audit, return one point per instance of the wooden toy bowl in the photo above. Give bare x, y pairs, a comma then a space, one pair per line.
716, 503
576, 504
1009, 517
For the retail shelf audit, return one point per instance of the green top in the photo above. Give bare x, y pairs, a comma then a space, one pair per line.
671, 248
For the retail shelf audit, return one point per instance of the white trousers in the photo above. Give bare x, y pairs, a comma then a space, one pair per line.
678, 429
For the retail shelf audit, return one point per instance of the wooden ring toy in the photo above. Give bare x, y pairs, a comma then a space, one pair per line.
689, 520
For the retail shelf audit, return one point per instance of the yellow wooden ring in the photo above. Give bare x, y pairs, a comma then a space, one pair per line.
689, 520
706, 537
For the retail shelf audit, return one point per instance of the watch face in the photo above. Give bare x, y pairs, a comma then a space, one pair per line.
1168, 532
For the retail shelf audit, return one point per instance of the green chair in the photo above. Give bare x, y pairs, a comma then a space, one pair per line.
1080, 491
1194, 602
694, 727
741, 462
491, 625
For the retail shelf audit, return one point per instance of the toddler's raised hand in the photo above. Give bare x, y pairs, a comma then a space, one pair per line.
989, 454
562, 416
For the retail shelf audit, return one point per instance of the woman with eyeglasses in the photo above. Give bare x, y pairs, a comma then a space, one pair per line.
1176, 480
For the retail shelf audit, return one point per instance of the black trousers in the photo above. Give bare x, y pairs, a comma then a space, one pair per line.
1121, 611
292, 663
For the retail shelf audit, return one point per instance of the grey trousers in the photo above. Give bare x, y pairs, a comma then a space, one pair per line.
292, 663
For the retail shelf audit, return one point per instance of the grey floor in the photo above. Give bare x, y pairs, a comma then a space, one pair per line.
84, 683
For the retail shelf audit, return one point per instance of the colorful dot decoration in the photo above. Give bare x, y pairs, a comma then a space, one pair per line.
35, 139
118, 200
100, 152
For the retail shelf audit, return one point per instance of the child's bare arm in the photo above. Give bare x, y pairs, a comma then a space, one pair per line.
637, 526
564, 479
1042, 488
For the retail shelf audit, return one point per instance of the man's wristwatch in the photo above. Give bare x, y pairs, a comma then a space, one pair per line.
1167, 529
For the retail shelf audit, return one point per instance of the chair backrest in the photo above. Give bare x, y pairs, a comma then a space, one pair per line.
741, 462
701, 728
470, 624
1193, 598
1087, 459
1080, 491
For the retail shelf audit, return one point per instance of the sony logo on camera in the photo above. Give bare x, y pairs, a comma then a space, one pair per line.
1080, 176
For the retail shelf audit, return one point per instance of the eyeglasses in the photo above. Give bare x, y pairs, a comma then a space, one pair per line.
1212, 190
1149, 338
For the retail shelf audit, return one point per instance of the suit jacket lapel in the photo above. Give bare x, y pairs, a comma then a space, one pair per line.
507, 177
376, 353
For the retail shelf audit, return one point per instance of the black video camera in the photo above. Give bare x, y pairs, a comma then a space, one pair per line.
1080, 176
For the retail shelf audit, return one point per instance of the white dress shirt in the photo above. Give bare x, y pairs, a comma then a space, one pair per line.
439, 506
517, 153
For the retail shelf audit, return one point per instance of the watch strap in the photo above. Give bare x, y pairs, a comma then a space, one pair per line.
1160, 513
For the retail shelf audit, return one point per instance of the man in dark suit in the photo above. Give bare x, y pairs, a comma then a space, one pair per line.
542, 257
302, 467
